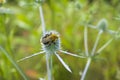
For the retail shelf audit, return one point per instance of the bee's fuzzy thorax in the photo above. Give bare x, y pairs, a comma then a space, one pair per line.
51, 42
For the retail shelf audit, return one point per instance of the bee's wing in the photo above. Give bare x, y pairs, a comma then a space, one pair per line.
63, 63
35, 54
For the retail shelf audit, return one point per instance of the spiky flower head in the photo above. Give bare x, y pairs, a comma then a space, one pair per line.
102, 25
51, 42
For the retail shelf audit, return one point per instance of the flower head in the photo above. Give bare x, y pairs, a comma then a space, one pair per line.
50, 42
102, 25
51, 45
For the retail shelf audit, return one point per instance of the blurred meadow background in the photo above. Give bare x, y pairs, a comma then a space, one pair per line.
20, 33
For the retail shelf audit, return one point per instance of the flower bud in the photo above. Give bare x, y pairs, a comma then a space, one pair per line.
102, 25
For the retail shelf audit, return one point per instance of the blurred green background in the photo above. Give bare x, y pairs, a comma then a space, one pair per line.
20, 33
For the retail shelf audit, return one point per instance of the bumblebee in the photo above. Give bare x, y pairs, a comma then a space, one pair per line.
50, 41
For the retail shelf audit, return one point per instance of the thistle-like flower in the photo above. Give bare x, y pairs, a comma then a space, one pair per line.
51, 45
50, 42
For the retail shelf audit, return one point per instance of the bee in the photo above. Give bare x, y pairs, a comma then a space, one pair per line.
49, 38
50, 41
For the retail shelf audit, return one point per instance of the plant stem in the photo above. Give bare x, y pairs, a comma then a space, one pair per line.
85, 41
13, 63
49, 65
48, 55
96, 43
42, 19
86, 69
104, 46
89, 59
86, 52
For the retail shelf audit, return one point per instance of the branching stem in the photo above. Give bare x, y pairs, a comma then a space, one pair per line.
85, 41
92, 53
49, 65
42, 19
104, 46
86, 69
96, 43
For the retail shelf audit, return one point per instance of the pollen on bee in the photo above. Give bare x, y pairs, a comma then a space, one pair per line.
50, 42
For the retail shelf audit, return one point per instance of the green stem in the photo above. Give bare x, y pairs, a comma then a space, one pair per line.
14, 63
89, 59
42, 19
7, 34
49, 65
86, 69
96, 43
85, 41
104, 46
